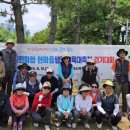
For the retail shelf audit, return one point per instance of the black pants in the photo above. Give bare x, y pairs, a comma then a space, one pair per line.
3, 117
114, 120
8, 81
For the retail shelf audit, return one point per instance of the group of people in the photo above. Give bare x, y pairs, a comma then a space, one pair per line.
29, 96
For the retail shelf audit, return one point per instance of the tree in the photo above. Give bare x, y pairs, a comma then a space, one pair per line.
110, 26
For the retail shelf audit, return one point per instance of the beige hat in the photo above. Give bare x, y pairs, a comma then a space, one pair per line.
85, 88
9, 41
90, 61
46, 84
65, 54
108, 83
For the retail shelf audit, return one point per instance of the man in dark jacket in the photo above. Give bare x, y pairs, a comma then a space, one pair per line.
9, 59
89, 73
5, 108
54, 83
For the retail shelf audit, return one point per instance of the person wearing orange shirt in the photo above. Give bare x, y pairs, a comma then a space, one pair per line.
19, 105
121, 76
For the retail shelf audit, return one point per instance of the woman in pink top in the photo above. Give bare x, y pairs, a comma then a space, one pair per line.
19, 104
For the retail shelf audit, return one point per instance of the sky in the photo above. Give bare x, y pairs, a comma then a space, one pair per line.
36, 19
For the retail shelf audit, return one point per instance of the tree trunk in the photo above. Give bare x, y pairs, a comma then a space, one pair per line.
18, 20
53, 23
77, 34
110, 26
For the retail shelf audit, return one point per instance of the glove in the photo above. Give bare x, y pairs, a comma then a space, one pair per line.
107, 116
26, 93
112, 116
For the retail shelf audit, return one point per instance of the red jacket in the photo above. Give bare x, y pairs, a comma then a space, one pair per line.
45, 102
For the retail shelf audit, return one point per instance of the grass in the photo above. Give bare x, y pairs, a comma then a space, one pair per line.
123, 125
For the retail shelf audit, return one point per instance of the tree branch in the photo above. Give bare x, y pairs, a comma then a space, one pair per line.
3, 1
32, 3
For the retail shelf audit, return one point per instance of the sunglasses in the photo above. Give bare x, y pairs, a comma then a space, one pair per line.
24, 68
94, 87
90, 63
66, 57
49, 72
47, 87
10, 43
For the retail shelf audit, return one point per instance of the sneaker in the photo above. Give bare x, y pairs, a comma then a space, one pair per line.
114, 127
57, 124
35, 124
47, 127
74, 125
86, 126
99, 126
14, 126
68, 125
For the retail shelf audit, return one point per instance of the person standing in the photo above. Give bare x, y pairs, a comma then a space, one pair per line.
65, 70
9, 59
2, 68
89, 73
121, 72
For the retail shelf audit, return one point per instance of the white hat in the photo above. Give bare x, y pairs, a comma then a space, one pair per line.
19, 86
49, 70
91, 61
85, 88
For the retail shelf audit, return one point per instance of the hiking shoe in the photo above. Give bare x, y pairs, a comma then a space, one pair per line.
114, 127
86, 126
57, 124
68, 125
99, 126
47, 127
35, 124
74, 125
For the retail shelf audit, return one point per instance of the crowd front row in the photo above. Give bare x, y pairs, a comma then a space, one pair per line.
88, 103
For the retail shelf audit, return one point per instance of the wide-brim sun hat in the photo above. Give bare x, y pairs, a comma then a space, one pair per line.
85, 88
24, 65
19, 86
108, 83
66, 86
120, 50
9, 41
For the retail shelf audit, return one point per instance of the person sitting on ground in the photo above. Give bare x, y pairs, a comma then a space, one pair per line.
108, 106
83, 105
41, 106
32, 87
19, 104
54, 84
21, 75
64, 105
5, 108
94, 94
